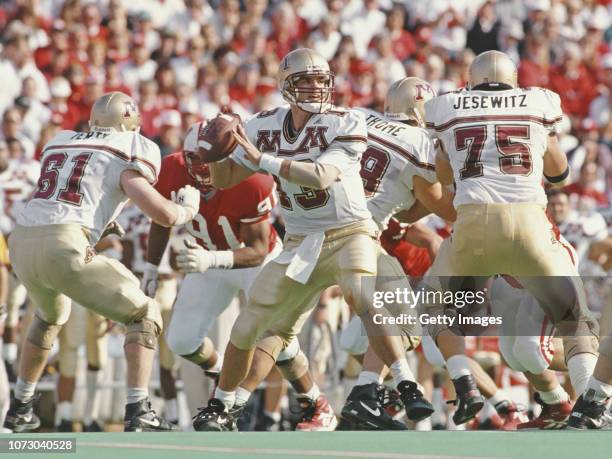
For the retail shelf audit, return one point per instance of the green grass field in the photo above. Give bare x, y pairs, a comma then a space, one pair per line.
293, 445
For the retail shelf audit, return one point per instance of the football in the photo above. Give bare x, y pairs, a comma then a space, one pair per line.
216, 140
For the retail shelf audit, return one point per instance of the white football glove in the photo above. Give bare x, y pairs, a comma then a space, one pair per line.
149, 281
194, 259
188, 198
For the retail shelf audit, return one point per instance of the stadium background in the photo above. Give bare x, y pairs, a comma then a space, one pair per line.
185, 60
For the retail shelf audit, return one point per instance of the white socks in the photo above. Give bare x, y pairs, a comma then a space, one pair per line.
24, 390
555, 396
136, 394
9, 352
94, 396
171, 409
63, 411
458, 366
368, 377
242, 396
313, 394
498, 397
400, 370
228, 398
581, 367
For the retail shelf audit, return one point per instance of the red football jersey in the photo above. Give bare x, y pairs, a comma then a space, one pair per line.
217, 225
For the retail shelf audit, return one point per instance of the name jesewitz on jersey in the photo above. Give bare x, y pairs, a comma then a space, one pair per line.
338, 138
395, 153
80, 178
496, 141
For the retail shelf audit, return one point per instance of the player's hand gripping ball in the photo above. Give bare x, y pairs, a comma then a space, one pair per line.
216, 140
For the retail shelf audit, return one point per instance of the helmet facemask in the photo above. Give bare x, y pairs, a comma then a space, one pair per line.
199, 171
312, 100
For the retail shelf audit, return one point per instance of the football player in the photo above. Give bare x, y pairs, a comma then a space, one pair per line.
497, 142
314, 152
86, 179
233, 239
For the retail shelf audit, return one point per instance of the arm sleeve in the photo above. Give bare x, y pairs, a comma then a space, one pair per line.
145, 158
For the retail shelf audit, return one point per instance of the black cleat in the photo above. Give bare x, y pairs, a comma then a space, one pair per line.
93, 426
588, 414
65, 425
363, 410
140, 417
417, 407
469, 400
216, 418
21, 417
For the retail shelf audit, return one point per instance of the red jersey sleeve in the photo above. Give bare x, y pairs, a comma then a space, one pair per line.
254, 198
173, 175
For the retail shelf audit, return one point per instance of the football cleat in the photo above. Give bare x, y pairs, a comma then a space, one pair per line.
216, 418
363, 410
392, 402
65, 425
21, 417
416, 405
469, 400
317, 415
510, 415
588, 414
93, 426
552, 416
140, 417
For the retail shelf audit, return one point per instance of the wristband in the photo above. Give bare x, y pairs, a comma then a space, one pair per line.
182, 215
222, 259
270, 164
559, 178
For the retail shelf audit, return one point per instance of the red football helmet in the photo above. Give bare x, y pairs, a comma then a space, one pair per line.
197, 169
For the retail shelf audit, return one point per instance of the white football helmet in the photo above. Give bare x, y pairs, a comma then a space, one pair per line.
115, 110
493, 68
406, 99
305, 62
196, 168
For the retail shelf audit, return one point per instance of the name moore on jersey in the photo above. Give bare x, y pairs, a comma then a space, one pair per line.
80, 178
338, 138
496, 141
395, 154
222, 211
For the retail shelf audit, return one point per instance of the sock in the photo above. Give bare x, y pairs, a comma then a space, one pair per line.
601, 391
400, 370
242, 396
437, 400
368, 377
63, 411
555, 396
171, 409
498, 397
9, 352
275, 416
458, 366
136, 394
94, 396
581, 367
228, 398
313, 394
24, 390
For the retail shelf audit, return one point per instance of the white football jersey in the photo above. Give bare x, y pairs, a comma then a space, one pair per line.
396, 152
80, 178
496, 141
17, 183
337, 137
581, 229
136, 225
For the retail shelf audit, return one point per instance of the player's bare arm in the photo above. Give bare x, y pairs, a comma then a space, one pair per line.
556, 169
444, 171
256, 237
154, 205
312, 175
435, 197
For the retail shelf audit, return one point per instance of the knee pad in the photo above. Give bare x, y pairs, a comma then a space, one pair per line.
143, 332
294, 368
289, 352
43, 334
534, 353
272, 345
353, 338
580, 344
202, 354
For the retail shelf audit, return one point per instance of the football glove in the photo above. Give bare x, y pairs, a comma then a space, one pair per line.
188, 198
149, 281
194, 259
